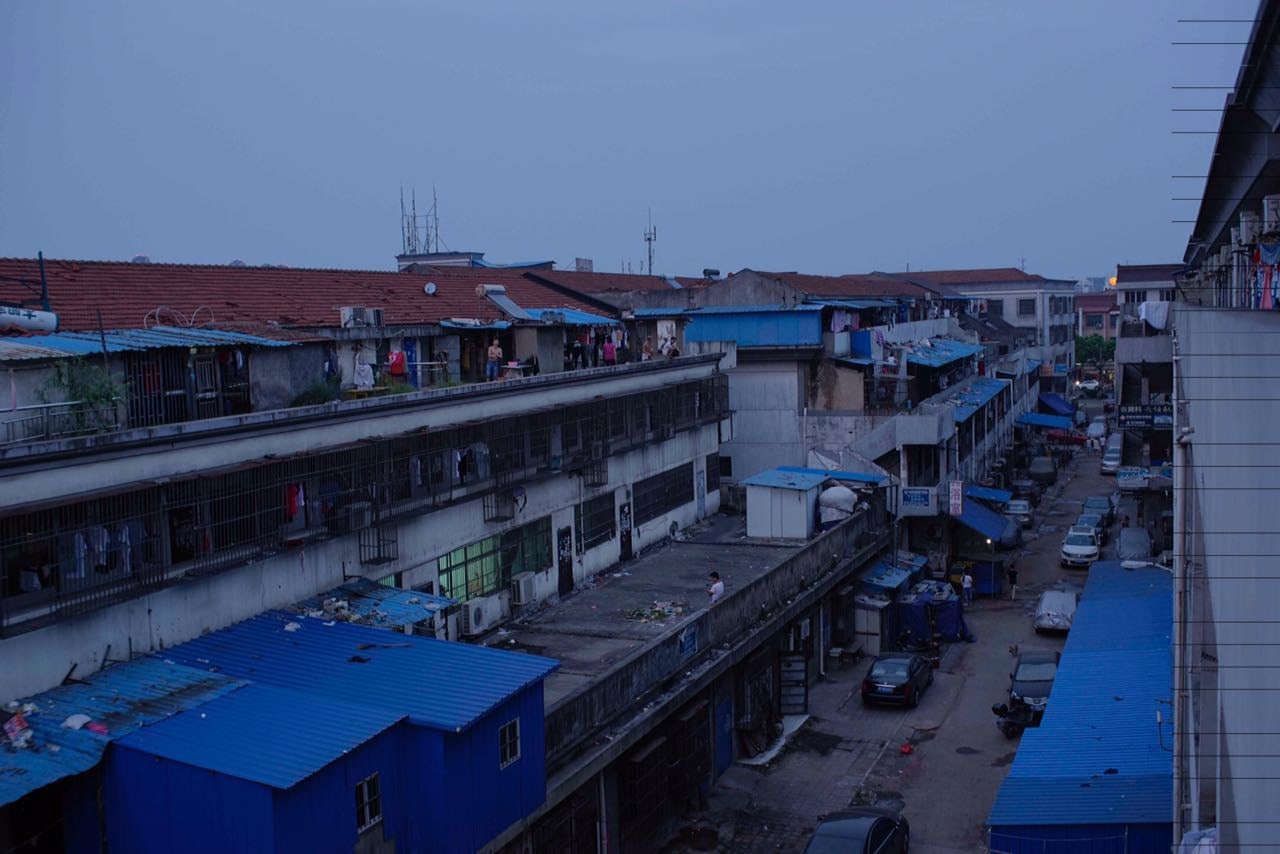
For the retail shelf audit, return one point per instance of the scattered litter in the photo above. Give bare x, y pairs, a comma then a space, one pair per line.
657, 611
76, 721
359, 659
18, 731
414, 600
29, 708
907, 748
330, 623
292, 627
100, 729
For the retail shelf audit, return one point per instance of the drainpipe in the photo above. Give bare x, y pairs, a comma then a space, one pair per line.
1181, 619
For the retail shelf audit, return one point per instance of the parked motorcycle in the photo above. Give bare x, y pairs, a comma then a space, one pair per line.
930, 650
1011, 722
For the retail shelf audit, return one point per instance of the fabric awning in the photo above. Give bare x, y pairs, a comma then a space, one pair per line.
1057, 403
987, 493
1035, 419
987, 522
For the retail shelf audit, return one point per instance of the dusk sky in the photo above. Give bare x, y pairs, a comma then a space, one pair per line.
825, 137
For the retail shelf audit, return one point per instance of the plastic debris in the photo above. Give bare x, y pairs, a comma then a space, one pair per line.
76, 721
18, 731
292, 627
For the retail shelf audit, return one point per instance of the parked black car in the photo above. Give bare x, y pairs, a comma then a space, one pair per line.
861, 830
1032, 680
897, 677
1027, 489
1101, 505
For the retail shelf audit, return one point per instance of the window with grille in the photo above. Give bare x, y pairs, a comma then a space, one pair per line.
662, 493
1093, 321
1027, 307
595, 521
713, 472
509, 743
368, 802
995, 307
486, 566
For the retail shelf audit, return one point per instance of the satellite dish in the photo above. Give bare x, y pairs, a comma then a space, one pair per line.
429, 289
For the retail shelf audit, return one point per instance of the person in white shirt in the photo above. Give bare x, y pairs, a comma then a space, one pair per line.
716, 588
967, 583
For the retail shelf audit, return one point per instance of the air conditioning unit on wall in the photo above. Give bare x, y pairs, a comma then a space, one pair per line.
522, 589
481, 614
360, 316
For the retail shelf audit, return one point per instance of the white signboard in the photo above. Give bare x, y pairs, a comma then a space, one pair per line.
956, 494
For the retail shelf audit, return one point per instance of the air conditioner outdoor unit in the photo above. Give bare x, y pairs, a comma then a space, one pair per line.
475, 618
360, 316
522, 589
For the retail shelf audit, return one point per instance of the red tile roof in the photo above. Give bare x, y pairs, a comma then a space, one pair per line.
602, 283
126, 293
1147, 272
863, 285
974, 277
1105, 301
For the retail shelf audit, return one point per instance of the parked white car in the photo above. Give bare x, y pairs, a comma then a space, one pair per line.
1080, 548
1097, 428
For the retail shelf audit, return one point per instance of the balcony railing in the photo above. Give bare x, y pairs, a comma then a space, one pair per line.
57, 420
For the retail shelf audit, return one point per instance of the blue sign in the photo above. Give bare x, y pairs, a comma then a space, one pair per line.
688, 641
917, 497
1059, 370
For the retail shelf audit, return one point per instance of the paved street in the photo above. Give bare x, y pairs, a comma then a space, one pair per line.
943, 761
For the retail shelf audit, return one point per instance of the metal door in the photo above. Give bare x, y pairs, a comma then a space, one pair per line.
624, 531
724, 735
795, 684
564, 559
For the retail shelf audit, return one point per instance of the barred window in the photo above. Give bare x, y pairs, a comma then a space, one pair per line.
486, 566
663, 492
1026, 307
509, 743
368, 802
595, 521
713, 472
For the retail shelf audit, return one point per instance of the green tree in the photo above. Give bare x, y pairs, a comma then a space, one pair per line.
1095, 350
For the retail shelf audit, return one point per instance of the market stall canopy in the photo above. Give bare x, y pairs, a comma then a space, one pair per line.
1035, 419
1057, 403
987, 493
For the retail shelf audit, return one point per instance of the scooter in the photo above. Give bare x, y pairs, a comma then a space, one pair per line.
1011, 722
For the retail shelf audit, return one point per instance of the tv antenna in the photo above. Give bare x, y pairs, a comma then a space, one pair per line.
650, 236
419, 233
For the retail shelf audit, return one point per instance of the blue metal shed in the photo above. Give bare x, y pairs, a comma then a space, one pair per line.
758, 326
459, 701
260, 769
1096, 775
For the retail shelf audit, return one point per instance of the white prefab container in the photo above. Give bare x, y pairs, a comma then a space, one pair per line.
781, 505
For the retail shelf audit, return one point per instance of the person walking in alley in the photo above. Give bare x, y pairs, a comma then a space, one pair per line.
967, 583
716, 588
1012, 575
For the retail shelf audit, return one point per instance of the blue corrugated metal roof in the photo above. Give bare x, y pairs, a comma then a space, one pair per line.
835, 474
766, 308
884, 576
854, 303
1033, 365
758, 326
941, 351
573, 317
122, 698
1099, 756
1036, 419
126, 340
264, 734
786, 479
372, 604
1057, 403
657, 312
985, 521
987, 493
437, 683
856, 361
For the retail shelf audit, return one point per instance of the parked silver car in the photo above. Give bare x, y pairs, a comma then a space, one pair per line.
1133, 544
1056, 610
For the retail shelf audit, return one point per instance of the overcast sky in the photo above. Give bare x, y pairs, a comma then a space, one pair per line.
824, 137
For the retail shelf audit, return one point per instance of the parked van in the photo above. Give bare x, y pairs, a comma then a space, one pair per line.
1111, 456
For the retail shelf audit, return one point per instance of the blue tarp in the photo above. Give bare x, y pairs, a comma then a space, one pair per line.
987, 493
914, 613
1035, 419
835, 474
1057, 403
886, 577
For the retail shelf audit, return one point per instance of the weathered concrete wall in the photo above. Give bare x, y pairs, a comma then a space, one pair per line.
766, 399
838, 389
651, 668
277, 376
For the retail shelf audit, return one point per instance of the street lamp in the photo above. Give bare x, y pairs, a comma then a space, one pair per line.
992, 546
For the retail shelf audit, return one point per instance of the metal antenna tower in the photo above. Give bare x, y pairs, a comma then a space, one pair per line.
419, 233
650, 236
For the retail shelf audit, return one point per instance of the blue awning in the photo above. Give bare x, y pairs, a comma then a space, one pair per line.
835, 474
1033, 366
985, 521
569, 317
1035, 419
1057, 403
986, 493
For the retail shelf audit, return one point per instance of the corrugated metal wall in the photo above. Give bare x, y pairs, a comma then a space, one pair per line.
1082, 839
759, 329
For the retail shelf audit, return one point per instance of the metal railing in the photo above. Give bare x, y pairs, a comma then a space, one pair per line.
57, 420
